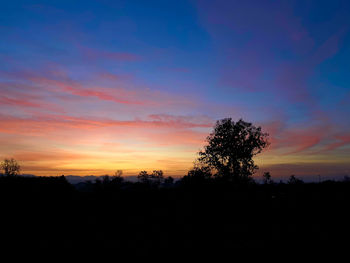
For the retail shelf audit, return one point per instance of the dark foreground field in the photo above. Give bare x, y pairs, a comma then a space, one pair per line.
47, 212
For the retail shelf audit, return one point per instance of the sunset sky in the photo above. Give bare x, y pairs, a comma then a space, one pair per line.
91, 87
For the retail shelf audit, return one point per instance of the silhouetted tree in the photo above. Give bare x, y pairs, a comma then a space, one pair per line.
267, 179
144, 177
231, 148
10, 167
293, 180
157, 177
118, 173
117, 178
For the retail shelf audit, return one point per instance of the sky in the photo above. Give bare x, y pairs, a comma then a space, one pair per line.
91, 87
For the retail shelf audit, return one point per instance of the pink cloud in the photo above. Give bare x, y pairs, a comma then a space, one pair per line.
341, 140
18, 102
297, 139
101, 94
53, 155
117, 94
307, 171
301, 142
44, 123
109, 76
22, 96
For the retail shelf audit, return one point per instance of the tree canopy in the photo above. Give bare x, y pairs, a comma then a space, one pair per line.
231, 147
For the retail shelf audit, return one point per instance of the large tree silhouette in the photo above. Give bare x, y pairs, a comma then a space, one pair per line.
231, 147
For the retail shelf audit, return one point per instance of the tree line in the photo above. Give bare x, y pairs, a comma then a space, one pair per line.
227, 156
216, 205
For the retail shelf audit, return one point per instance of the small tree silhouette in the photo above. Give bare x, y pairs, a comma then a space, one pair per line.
294, 180
10, 167
118, 173
117, 179
144, 177
157, 177
267, 179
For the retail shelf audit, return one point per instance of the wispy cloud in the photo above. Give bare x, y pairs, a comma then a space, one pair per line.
97, 54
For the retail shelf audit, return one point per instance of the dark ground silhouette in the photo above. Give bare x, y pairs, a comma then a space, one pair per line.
216, 206
208, 214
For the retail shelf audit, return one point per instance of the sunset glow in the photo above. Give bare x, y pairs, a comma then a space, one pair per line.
91, 87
